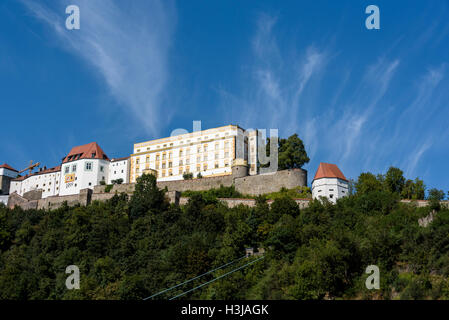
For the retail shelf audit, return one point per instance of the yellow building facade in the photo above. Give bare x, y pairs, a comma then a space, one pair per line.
208, 152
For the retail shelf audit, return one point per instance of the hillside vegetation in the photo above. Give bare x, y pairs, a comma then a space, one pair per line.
133, 248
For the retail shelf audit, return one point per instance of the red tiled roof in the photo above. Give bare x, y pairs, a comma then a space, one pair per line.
329, 170
7, 166
88, 151
50, 170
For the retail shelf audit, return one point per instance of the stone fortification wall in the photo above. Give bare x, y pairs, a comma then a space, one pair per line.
271, 182
250, 185
196, 184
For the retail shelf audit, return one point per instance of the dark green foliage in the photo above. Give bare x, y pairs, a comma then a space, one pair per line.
117, 181
434, 197
147, 198
213, 194
394, 180
291, 153
132, 248
414, 190
187, 176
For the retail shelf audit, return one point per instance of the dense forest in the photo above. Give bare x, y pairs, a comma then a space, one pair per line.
133, 248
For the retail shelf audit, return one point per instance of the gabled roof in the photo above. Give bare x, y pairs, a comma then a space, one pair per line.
329, 170
43, 171
7, 166
87, 151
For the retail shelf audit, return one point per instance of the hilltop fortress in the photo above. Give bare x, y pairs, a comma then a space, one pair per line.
222, 156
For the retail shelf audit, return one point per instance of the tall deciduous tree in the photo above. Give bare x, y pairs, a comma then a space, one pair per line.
147, 197
367, 182
291, 153
394, 180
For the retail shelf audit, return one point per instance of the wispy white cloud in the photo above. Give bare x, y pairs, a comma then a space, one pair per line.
127, 44
285, 91
271, 96
413, 159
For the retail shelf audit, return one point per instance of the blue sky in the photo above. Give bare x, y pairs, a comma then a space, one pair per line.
136, 70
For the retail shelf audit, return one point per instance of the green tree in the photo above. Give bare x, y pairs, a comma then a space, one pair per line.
434, 197
394, 180
367, 182
291, 153
147, 197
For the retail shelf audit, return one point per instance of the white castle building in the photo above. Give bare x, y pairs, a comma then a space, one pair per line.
329, 182
84, 167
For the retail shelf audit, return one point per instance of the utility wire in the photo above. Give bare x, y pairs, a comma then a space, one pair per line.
171, 288
222, 276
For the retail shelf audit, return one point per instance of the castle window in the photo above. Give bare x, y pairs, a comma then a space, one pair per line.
66, 169
88, 166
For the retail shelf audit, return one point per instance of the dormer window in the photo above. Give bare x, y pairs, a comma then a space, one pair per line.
93, 154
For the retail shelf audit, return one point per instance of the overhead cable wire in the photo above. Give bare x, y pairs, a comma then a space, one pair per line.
222, 276
197, 277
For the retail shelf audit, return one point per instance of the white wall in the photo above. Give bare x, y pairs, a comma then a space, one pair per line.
331, 188
83, 177
119, 170
47, 182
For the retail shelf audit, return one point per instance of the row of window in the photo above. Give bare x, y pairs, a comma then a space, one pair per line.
187, 160
163, 166
88, 166
181, 143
